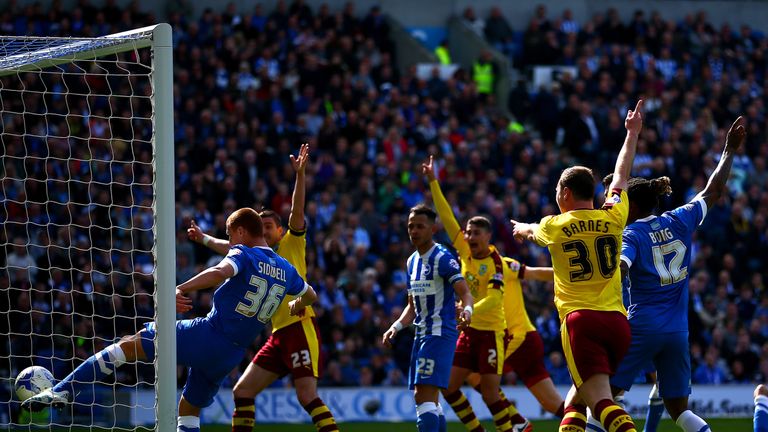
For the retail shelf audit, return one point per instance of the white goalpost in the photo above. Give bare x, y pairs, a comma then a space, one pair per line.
87, 232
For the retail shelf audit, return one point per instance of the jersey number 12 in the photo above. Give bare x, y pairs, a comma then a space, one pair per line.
266, 308
675, 272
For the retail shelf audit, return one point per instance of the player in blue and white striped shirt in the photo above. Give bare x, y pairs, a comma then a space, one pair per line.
433, 276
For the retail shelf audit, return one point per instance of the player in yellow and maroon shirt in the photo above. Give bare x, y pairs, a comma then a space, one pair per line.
494, 283
585, 244
294, 346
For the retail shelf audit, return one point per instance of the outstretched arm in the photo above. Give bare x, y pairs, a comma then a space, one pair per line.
197, 235
299, 163
634, 124
210, 277
716, 184
524, 231
545, 274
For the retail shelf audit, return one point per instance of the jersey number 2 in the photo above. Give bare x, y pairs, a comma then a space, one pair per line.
675, 272
266, 308
607, 249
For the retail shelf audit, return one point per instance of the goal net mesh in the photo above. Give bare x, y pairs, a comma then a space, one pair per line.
78, 220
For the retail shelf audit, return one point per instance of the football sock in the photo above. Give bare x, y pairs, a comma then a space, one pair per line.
321, 416
94, 369
500, 412
574, 418
514, 415
244, 416
427, 417
463, 411
690, 422
760, 421
188, 424
655, 410
613, 417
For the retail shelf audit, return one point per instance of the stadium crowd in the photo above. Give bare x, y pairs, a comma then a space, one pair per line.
251, 86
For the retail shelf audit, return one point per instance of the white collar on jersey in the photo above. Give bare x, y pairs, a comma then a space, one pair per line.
647, 218
429, 251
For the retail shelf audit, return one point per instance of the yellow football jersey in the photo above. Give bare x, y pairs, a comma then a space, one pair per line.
292, 247
486, 276
585, 246
518, 322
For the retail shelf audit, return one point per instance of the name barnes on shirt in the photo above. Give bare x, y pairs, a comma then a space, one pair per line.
594, 225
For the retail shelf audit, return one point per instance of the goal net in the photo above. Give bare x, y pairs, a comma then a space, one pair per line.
87, 219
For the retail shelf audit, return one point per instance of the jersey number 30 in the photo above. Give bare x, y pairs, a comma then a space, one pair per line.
607, 249
257, 303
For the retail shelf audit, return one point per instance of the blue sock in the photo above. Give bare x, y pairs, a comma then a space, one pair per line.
442, 424
655, 410
187, 429
94, 369
427, 418
761, 414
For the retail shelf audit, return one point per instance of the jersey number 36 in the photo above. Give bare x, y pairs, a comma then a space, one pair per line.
256, 301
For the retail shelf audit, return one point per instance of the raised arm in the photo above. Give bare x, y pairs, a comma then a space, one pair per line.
634, 124
444, 209
299, 163
197, 235
716, 184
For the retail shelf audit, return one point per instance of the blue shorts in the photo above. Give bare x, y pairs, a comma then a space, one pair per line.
431, 361
208, 355
669, 354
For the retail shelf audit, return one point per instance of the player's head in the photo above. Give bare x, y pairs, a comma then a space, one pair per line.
273, 227
478, 235
245, 227
576, 185
421, 225
644, 195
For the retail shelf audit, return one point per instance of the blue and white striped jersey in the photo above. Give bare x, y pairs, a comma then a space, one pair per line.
430, 282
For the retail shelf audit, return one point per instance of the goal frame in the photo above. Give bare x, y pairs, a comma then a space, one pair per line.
160, 43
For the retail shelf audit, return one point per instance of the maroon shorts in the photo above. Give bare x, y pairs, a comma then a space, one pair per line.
480, 351
594, 342
527, 360
294, 349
